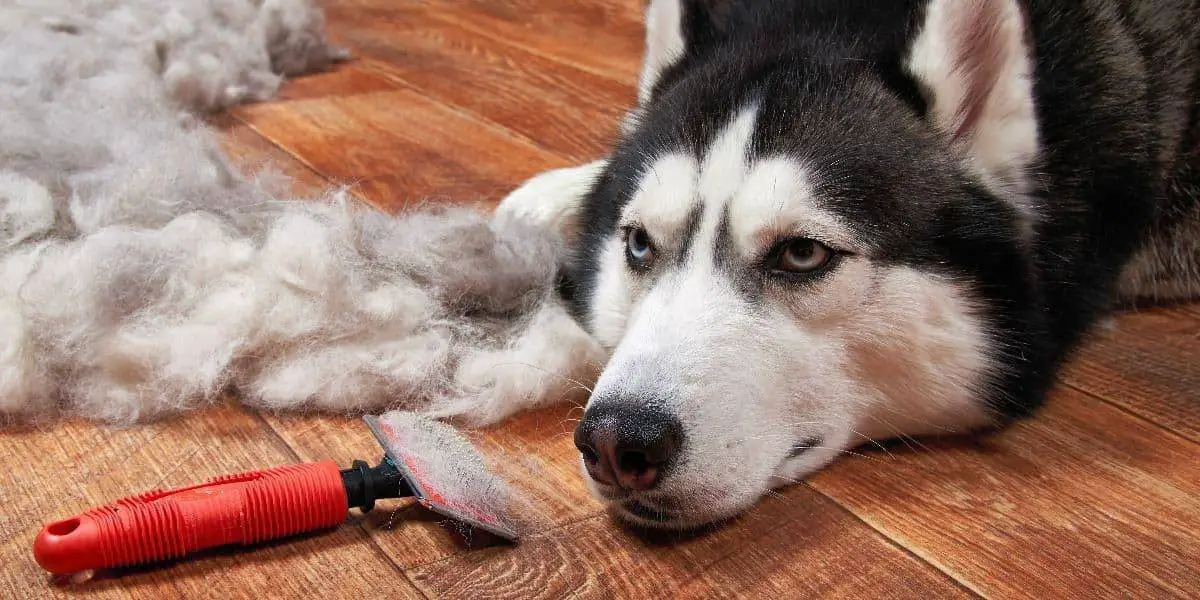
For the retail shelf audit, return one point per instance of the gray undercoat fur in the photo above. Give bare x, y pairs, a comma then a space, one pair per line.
141, 274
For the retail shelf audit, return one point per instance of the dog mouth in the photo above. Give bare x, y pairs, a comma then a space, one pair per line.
641, 510
644, 511
699, 509
658, 511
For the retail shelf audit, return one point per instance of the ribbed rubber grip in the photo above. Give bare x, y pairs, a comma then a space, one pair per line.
234, 509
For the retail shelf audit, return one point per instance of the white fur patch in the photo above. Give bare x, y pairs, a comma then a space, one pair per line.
612, 301
726, 163
919, 348
664, 44
724, 170
553, 199
668, 193
777, 200
665, 197
26, 208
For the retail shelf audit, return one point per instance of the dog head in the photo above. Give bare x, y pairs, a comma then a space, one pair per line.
811, 235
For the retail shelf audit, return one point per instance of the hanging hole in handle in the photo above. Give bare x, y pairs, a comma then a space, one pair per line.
63, 527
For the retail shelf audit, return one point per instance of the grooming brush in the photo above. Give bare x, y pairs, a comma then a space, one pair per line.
423, 458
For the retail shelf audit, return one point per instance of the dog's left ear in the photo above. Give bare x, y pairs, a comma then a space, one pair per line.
675, 29
665, 43
971, 57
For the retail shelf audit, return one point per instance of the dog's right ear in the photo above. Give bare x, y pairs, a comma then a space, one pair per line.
676, 29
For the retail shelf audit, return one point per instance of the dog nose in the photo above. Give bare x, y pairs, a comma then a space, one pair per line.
627, 445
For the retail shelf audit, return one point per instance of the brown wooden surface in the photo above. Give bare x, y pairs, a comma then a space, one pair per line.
460, 100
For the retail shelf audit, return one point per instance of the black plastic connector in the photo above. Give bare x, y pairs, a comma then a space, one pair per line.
366, 484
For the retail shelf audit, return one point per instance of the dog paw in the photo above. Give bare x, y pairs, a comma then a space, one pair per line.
552, 199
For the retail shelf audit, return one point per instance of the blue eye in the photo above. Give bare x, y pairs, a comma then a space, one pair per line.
638, 246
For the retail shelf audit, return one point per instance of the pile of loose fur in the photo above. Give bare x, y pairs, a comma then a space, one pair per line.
141, 274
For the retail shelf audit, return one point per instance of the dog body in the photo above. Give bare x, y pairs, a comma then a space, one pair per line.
831, 221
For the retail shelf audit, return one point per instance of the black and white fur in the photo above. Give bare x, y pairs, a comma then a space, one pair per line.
991, 176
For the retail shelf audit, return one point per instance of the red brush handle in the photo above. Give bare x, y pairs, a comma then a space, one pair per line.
234, 509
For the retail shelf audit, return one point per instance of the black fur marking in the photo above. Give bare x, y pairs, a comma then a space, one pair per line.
747, 281
724, 252
690, 229
805, 445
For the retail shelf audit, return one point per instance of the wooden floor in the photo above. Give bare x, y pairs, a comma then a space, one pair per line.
1099, 496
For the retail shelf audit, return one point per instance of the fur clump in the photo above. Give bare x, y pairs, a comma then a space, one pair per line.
141, 274
207, 54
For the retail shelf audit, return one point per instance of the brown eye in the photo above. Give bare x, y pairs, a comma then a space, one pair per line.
803, 256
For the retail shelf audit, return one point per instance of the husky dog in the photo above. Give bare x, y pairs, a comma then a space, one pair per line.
830, 220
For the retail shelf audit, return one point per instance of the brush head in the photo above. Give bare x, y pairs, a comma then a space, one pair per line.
446, 473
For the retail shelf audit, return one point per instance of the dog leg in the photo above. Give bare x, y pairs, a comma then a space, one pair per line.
1167, 269
554, 198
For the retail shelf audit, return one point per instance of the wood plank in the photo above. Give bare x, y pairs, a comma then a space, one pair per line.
1191, 307
53, 473
796, 545
560, 108
602, 37
408, 147
350, 78
533, 451
252, 154
1084, 500
1146, 362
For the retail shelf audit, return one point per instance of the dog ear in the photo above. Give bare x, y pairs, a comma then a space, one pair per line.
665, 44
971, 58
675, 29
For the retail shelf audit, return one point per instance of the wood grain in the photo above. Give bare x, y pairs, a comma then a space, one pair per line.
253, 155
54, 473
355, 76
1084, 501
602, 37
796, 545
558, 108
1146, 362
399, 147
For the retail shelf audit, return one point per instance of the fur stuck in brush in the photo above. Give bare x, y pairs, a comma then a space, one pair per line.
140, 274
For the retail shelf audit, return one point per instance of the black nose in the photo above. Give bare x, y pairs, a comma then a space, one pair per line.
626, 444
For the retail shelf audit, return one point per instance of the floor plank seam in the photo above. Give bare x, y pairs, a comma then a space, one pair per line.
538, 535
464, 112
380, 67
508, 41
360, 525
232, 114
911, 553
416, 586
1124, 409
453, 108
329, 181
258, 416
